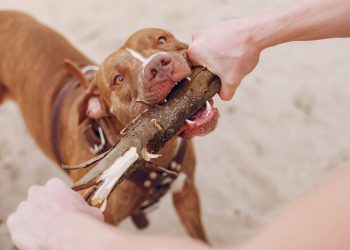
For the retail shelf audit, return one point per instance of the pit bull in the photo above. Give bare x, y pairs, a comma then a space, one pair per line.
75, 110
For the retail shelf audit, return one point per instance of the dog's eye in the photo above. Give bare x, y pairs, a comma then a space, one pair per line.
161, 40
118, 79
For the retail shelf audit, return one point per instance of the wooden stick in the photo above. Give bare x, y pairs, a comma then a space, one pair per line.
149, 132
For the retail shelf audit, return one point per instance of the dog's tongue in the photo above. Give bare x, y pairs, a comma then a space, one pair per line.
202, 123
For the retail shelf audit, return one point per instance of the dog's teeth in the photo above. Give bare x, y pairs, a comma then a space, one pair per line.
189, 122
165, 100
189, 78
207, 105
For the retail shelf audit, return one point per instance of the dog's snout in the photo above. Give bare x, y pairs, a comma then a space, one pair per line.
165, 61
159, 67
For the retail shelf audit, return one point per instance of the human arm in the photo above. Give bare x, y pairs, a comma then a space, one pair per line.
319, 220
55, 217
231, 49
51, 216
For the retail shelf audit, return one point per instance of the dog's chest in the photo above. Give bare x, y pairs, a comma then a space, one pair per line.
156, 182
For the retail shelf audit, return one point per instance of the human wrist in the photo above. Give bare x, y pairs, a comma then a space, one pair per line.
299, 22
265, 28
254, 31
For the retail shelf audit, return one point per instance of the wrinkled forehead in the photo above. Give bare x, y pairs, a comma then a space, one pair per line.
140, 45
118, 59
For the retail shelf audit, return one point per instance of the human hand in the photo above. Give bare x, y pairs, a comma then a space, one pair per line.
228, 49
39, 220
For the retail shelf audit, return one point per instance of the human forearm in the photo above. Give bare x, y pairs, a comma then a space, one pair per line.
309, 20
55, 217
231, 49
83, 232
321, 221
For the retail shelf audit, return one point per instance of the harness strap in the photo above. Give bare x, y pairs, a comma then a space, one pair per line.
158, 184
100, 134
56, 114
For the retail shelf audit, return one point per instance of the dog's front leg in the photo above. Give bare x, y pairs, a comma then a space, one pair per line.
187, 205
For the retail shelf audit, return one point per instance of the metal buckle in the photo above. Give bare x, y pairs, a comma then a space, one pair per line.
97, 148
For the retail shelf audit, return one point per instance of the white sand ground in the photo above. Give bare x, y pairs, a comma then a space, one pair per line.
288, 126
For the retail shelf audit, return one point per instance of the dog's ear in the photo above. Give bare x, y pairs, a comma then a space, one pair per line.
91, 105
74, 69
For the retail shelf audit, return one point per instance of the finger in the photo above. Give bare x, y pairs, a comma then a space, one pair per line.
61, 191
11, 221
194, 35
19, 235
228, 88
57, 186
97, 213
192, 55
56, 182
227, 94
33, 191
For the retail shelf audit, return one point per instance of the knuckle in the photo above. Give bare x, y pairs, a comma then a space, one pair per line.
22, 207
192, 50
195, 35
55, 183
231, 84
228, 89
226, 95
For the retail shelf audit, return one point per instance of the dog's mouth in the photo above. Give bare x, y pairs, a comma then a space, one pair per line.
163, 84
202, 123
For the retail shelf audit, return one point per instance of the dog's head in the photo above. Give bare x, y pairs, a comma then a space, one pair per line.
141, 73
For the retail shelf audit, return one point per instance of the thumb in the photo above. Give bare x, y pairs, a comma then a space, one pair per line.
228, 88
194, 56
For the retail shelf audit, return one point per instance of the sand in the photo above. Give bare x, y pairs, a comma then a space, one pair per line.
286, 129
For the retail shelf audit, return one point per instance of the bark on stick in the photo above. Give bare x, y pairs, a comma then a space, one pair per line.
149, 132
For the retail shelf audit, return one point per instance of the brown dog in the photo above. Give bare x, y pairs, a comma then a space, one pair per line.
74, 117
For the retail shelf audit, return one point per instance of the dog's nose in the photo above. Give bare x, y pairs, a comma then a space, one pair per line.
159, 68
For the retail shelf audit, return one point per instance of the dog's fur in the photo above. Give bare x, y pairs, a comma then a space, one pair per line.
32, 73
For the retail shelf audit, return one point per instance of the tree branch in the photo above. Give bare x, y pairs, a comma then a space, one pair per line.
148, 133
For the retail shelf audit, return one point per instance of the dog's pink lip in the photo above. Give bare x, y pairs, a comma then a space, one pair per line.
202, 123
168, 87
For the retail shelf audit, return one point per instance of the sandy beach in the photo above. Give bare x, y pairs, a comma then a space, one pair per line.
287, 128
